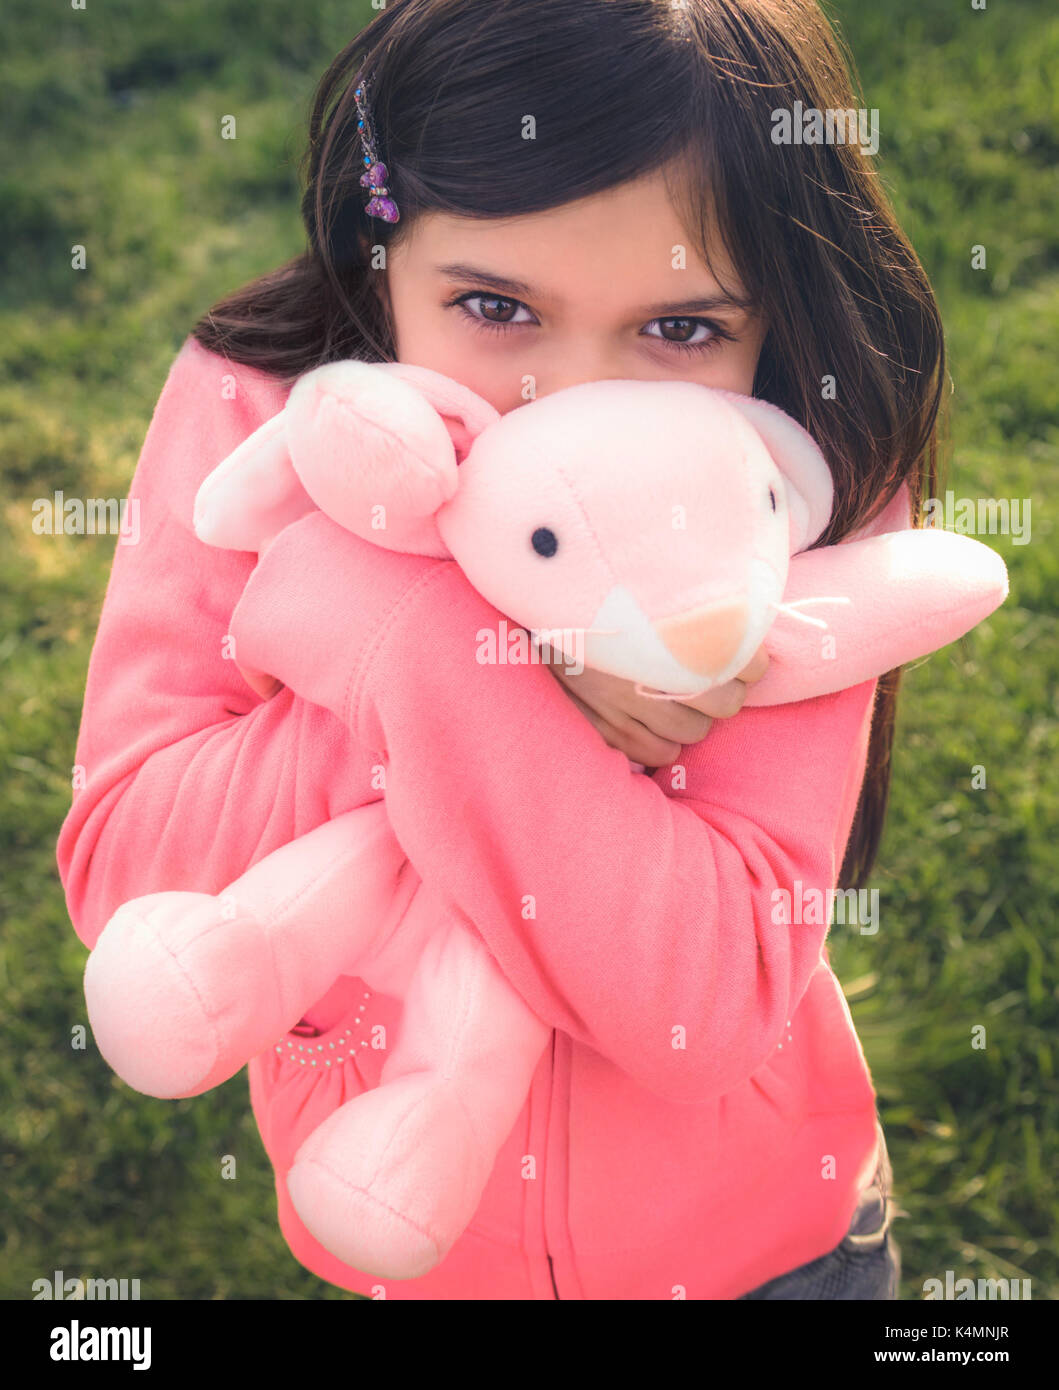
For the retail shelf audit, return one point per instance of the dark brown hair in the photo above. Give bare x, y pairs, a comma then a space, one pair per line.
618, 88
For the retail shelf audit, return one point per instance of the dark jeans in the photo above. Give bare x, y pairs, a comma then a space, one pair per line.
867, 1262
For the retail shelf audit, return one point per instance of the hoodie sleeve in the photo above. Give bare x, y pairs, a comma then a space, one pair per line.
182, 777
642, 915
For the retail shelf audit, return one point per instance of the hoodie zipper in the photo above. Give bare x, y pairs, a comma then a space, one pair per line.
551, 1107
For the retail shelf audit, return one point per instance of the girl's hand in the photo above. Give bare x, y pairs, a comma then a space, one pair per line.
650, 731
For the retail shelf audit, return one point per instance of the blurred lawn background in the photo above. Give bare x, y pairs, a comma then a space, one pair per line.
111, 118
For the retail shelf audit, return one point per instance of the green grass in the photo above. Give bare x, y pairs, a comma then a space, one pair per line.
113, 118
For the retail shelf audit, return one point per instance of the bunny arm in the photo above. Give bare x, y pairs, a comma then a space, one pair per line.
906, 594
184, 988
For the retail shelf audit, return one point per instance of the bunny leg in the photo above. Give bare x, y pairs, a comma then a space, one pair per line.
183, 989
391, 1179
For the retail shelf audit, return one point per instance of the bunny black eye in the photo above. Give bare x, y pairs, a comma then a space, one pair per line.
545, 542
772, 498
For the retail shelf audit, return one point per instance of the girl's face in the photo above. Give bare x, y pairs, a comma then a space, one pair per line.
608, 286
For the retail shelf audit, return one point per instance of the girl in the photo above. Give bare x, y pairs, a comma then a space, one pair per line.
582, 189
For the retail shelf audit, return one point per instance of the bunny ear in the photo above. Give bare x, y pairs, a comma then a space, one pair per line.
377, 446
810, 490
464, 413
253, 494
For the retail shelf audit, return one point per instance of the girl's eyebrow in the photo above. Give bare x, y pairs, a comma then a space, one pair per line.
710, 304
458, 270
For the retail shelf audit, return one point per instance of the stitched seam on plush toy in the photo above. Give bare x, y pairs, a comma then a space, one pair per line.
384, 1206
353, 691
210, 1018
584, 517
275, 917
393, 436
339, 861
465, 1008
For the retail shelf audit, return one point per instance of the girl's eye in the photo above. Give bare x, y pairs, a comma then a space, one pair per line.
494, 309
498, 312
688, 333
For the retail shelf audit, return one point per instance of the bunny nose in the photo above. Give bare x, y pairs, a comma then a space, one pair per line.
706, 639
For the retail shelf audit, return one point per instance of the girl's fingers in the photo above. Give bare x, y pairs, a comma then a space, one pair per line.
670, 719
641, 745
647, 731
728, 699
721, 702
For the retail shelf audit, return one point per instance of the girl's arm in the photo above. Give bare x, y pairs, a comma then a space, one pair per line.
621, 914
183, 777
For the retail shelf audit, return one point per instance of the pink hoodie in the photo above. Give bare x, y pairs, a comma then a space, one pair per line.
638, 1168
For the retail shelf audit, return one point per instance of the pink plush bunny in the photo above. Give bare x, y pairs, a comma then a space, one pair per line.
646, 528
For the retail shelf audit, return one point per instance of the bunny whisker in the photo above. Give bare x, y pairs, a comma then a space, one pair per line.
790, 609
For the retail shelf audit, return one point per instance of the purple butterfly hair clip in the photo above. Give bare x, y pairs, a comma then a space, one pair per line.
380, 204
